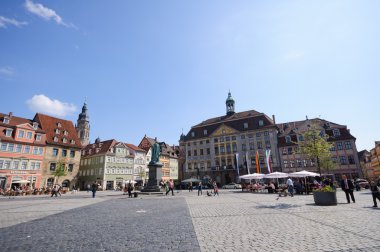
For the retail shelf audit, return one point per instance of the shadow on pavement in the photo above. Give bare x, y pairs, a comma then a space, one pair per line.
278, 206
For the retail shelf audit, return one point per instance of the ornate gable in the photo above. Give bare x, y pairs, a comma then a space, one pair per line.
224, 130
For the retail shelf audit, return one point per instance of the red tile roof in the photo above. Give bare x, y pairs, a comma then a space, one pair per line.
134, 147
49, 124
102, 147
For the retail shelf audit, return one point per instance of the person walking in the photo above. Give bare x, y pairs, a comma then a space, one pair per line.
216, 189
54, 191
171, 187
200, 188
129, 189
290, 186
375, 190
348, 188
94, 187
190, 186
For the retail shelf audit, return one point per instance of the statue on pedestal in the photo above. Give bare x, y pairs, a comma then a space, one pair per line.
155, 154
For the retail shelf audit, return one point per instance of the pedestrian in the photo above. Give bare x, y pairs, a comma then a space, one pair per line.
94, 187
171, 187
54, 191
290, 186
190, 186
129, 190
59, 190
348, 188
216, 189
200, 188
375, 190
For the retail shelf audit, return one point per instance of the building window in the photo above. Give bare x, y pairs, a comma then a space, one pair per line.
52, 166
266, 133
243, 147
70, 167
336, 132
11, 147
38, 137
195, 152
288, 139
284, 152
234, 147
55, 152
64, 153
251, 146
205, 132
189, 153
18, 148
35, 125
24, 165
242, 136
290, 151
258, 134
250, 135
201, 152
208, 151
27, 149
339, 146
59, 124
29, 135
347, 145
267, 144
72, 154
334, 159
304, 162
207, 141
72, 142
8, 132
261, 123
6, 120
351, 159
193, 134
7, 164
57, 131
4, 146
35, 150
299, 163
65, 132
259, 145
15, 164
21, 134
216, 151
343, 160
300, 138
245, 125
40, 150
64, 140
55, 139
228, 148
222, 149
222, 139
333, 148
286, 163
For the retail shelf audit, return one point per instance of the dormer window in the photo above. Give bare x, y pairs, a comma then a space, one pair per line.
8, 132
55, 139
336, 132
65, 132
56, 131
288, 139
64, 140
300, 138
246, 125
38, 137
72, 142
193, 134
205, 132
261, 123
35, 125
59, 124
6, 120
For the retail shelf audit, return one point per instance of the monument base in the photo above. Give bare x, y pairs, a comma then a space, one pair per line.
154, 175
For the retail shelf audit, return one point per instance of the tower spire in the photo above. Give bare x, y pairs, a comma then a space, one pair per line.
230, 104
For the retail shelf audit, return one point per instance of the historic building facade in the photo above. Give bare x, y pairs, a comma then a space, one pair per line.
344, 153
62, 148
168, 157
375, 160
365, 164
108, 163
22, 150
140, 169
83, 126
225, 147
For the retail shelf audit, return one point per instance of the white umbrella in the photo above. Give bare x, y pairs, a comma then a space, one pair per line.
132, 182
302, 174
276, 175
21, 181
191, 180
253, 176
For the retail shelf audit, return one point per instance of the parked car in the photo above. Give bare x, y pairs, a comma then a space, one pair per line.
232, 186
362, 183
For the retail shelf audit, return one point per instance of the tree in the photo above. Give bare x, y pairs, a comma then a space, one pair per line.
60, 171
315, 146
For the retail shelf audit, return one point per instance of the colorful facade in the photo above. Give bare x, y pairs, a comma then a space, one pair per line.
22, 150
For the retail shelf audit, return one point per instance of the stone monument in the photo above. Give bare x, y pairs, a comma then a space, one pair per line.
154, 170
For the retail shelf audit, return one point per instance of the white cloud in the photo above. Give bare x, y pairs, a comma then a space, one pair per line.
4, 22
45, 13
6, 71
43, 104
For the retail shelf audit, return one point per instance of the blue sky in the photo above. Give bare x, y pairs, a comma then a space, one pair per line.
157, 67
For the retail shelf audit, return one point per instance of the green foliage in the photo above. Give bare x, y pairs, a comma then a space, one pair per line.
60, 170
315, 146
326, 188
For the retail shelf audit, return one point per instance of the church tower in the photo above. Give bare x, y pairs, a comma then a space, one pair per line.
83, 126
230, 105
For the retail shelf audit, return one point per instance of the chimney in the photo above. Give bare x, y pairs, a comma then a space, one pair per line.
10, 114
274, 119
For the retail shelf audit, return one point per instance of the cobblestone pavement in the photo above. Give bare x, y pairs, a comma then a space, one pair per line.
259, 222
234, 221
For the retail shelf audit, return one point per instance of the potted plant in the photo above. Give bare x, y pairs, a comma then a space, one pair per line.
315, 146
325, 196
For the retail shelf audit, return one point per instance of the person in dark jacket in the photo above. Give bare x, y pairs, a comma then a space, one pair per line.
375, 192
94, 187
130, 190
348, 188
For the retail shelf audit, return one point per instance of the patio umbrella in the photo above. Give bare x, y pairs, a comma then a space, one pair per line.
21, 181
302, 174
253, 176
194, 180
276, 175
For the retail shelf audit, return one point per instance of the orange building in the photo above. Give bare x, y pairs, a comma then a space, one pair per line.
22, 149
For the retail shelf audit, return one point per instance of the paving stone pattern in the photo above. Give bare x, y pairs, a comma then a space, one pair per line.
118, 224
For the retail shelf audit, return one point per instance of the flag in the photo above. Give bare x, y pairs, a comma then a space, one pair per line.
237, 162
257, 162
267, 153
248, 162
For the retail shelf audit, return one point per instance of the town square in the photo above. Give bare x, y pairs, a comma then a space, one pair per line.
189, 125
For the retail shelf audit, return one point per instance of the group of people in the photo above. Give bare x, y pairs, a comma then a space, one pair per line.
348, 187
212, 185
